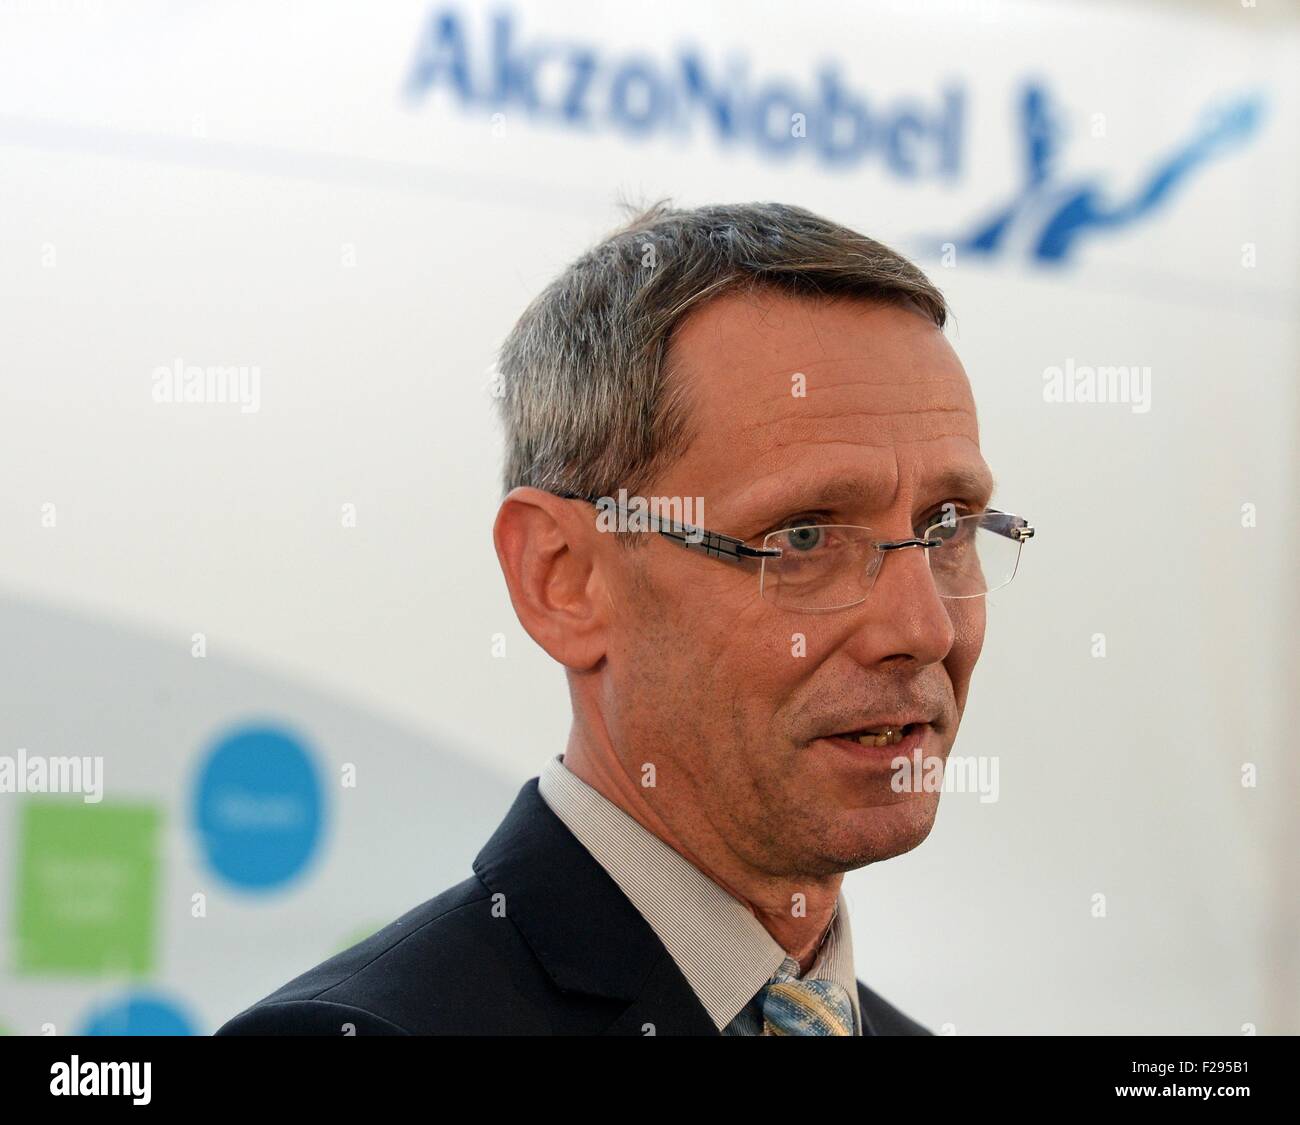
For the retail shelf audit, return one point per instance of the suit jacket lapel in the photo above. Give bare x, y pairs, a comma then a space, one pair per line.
867, 1027
580, 926
666, 1005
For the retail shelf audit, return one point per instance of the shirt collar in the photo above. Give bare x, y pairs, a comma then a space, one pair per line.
721, 948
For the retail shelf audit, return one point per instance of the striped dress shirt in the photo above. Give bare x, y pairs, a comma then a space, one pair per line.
721, 948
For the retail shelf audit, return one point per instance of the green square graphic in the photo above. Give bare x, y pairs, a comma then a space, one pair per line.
87, 888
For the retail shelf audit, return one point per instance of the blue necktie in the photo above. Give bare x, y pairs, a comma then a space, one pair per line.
805, 1007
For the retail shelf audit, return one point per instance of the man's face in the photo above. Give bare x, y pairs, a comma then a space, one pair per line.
731, 697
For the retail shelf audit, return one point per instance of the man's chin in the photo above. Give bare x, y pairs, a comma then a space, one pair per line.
869, 835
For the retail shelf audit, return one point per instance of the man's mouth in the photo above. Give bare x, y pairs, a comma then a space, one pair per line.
885, 734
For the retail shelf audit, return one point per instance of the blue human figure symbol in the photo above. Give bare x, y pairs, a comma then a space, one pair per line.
1055, 214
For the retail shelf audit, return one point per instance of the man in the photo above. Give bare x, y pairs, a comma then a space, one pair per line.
742, 682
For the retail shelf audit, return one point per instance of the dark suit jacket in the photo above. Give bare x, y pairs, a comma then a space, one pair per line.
540, 941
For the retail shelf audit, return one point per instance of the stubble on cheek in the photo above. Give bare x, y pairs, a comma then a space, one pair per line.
672, 700
969, 622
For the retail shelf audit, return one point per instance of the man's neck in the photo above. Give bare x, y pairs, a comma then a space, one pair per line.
796, 911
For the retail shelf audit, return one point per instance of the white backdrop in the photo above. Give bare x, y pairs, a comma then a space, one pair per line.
283, 186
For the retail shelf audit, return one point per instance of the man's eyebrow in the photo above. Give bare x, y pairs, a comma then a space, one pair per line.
967, 481
962, 481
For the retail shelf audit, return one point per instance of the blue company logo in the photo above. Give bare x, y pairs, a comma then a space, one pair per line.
575, 85
1053, 210
258, 807
140, 1013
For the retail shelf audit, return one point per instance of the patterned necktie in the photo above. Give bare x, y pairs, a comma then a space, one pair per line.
806, 1007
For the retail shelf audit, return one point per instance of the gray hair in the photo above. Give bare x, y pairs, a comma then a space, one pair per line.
585, 392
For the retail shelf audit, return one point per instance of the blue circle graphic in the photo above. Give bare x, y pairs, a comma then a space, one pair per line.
139, 1014
258, 807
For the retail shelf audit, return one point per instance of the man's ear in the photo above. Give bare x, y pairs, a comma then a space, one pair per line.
547, 550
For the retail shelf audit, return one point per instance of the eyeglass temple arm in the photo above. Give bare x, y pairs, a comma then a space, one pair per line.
1013, 527
712, 543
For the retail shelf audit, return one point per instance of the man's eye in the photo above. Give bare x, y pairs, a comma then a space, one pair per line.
804, 538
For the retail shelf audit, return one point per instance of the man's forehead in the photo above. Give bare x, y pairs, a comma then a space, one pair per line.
756, 359
777, 328
798, 386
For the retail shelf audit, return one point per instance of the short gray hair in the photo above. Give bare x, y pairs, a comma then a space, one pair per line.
585, 393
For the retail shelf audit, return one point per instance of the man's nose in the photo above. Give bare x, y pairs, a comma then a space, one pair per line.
906, 616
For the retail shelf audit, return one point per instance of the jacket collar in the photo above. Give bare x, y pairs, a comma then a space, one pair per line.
566, 906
